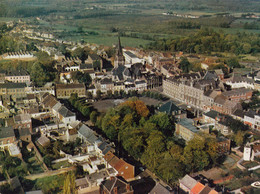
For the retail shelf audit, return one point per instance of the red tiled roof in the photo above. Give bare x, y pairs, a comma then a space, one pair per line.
197, 188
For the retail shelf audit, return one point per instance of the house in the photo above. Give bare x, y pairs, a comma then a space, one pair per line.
105, 85
115, 185
65, 115
87, 135
25, 134
23, 121
123, 168
140, 85
220, 74
239, 94
7, 137
81, 184
65, 90
19, 76
159, 189
223, 105
43, 141
197, 188
171, 109
96, 61
187, 183
237, 81
12, 90
185, 129
96, 178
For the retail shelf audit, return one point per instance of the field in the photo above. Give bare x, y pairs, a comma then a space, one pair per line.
139, 22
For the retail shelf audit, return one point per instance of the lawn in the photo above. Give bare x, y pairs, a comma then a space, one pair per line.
249, 164
51, 184
59, 165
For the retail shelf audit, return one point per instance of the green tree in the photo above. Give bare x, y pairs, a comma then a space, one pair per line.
69, 186
93, 116
185, 65
98, 94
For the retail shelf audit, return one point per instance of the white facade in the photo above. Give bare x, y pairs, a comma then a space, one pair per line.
247, 153
241, 84
72, 68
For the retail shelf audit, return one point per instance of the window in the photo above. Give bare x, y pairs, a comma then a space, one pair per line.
126, 167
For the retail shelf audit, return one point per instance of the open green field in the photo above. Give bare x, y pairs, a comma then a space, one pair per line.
65, 17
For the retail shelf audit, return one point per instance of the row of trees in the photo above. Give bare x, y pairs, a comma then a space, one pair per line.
149, 138
81, 105
207, 41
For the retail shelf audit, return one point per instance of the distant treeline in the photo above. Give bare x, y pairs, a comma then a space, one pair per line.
6, 11
207, 40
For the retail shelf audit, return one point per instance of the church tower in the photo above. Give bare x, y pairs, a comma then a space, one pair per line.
119, 58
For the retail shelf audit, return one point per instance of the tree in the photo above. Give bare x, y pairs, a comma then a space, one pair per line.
185, 65
89, 95
98, 96
163, 122
155, 148
195, 155
239, 138
93, 116
69, 186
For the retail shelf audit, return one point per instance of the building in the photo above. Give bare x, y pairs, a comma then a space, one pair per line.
12, 91
105, 85
239, 94
247, 153
131, 58
191, 92
237, 81
65, 90
123, 168
115, 185
159, 189
20, 76
187, 183
119, 58
7, 137
185, 129
223, 105
171, 109
87, 135
23, 121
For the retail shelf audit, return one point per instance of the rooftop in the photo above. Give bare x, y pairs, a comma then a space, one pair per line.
69, 86
188, 123
6, 132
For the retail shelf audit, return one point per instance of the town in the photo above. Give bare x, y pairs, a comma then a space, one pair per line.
83, 118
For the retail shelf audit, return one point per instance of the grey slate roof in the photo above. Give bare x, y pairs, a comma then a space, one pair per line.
212, 114
109, 184
188, 123
13, 85
169, 107
65, 112
88, 133
159, 189
85, 66
188, 181
130, 54
6, 132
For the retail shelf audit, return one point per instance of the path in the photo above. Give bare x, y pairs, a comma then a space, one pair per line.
50, 173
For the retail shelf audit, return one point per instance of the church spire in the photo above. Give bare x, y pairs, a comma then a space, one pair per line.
119, 49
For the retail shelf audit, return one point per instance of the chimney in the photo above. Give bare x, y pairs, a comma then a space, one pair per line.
128, 187
115, 190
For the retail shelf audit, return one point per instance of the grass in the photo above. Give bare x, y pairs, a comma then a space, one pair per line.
249, 164
51, 184
62, 164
